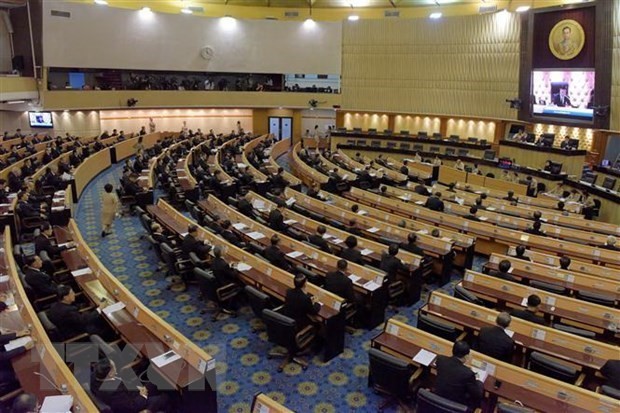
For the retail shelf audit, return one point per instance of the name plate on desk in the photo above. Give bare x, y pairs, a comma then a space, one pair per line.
165, 359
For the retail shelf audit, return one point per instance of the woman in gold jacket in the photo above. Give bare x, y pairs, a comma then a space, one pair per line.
109, 209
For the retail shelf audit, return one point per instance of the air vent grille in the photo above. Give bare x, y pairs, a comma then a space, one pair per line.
59, 13
391, 13
291, 14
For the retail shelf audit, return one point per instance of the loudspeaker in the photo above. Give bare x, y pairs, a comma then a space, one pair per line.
18, 63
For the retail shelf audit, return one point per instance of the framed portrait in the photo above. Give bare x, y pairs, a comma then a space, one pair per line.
566, 39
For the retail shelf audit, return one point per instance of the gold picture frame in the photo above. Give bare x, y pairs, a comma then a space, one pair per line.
566, 39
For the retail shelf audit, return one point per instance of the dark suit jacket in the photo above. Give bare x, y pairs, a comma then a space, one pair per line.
41, 283
391, 265
421, 189
504, 276
118, 397
222, 271
276, 220
69, 320
42, 243
320, 242
493, 341
26, 210
471, 217
523, 257
456, 382
434, 203
352, 254
191, 244
338, 283
610, 247
611, 370
231, 237
528, 316
298, 305
275, 256
245, 207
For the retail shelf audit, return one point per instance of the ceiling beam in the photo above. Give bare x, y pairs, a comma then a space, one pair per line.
392, 3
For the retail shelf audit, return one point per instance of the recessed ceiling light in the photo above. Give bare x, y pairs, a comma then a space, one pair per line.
435, 15
522, 9
101, 2
354, 17
145, 9
186, 11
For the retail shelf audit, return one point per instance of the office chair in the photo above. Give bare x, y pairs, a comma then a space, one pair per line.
550, 287
177, 267
55, 335
146, 222
39, 303
513, 408
101, 406
258, 301
609, 391
197, 262
393, 377
216, 294
574, 330
551, 367
596, 298
439, 328
428, 401
282, 331
311, 276
127, 361
463, 294
161, 263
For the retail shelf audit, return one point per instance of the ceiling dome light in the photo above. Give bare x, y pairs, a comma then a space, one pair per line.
185, 10
435, 15
353, 18
522, 9
101, 2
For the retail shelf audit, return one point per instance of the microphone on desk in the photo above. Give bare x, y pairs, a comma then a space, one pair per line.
63, 387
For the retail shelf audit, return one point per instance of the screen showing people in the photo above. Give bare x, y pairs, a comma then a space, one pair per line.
565, 94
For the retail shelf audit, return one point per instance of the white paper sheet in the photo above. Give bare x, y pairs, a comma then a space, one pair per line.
114, 307
424, 357
82, 271
371, 286
16, 343
290, 222
165, 359
239, 226
354, 278
256, 235
242, 266
373, 230
57, 404
295, 254
366, 251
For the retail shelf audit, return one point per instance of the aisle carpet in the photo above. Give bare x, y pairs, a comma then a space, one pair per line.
242, 365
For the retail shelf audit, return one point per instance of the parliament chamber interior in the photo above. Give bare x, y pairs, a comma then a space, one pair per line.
275, 206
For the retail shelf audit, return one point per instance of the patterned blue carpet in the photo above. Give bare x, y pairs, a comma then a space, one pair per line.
242, 365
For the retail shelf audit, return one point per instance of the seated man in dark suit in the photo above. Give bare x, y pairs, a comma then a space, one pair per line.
456, 381
228, 234
610, 244
391, 264
298, 305
112, 390
41, 283
494, 341
131, 187
69, 319
503, 271
352, 228
43, 242
25, 209
535, 229
435, 203
510, 196
472, 214
529, 314
275, 256
3, 193
411, 244
318, 240
276, 217
222, 271
191, 243
338, 283
422, 190
564, 262
351, 253
611, 371
245, 206
520, 253
159, 235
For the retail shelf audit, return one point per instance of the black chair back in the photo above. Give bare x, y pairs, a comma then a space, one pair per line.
552, 288
596, 298
156, 247
513, 408
429, 402
574, 330
208, 284
549, 367
389, 373
461, 293
610, 391
436, 327
281, 329
258, 300
169, 257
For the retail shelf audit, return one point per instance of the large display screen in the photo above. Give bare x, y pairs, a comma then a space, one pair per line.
40, 119
564, 94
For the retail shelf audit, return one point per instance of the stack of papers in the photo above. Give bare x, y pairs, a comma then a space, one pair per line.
354, 278
256, 235
57, 404
424, 357
82, 271
18, 342
371, 285
242, 266
239, 226
337, 241
480, 374
295, 254
165, 359
373, 230
290, 201
114, 307
366, 251
290, 222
